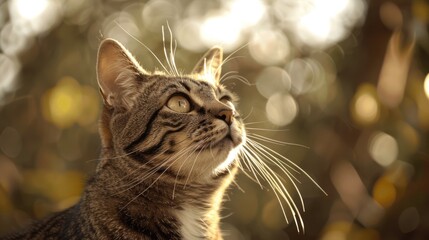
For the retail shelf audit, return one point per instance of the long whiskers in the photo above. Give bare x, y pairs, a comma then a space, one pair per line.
180, 168
143, 168
149, 172
260, 160
144, 45
153, 183
273, 141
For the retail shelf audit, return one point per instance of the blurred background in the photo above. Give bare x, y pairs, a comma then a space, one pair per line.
346, 79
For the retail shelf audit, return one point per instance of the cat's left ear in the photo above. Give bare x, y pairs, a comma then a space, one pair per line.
210, 65
118, 74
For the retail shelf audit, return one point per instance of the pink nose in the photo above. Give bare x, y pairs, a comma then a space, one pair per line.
226, 115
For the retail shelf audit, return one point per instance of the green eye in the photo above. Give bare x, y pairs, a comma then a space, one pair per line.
179, 104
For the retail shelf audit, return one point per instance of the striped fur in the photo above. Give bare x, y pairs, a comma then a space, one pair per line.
162, 174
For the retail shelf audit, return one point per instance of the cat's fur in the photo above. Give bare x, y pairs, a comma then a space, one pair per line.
162, 173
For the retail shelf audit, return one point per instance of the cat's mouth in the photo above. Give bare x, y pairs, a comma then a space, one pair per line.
228, 142
222, 139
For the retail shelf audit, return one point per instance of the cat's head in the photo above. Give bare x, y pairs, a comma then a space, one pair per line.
185, 126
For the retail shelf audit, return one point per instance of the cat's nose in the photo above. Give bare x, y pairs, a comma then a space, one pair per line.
226, 115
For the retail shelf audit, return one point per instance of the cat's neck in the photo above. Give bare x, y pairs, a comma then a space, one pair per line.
190, 210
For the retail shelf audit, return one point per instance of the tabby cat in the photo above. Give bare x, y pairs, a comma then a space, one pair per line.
169, 148
171, 145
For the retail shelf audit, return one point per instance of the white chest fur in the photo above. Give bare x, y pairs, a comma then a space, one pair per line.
193, 223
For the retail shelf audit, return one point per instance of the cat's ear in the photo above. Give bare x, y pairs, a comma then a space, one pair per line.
118, 74
210, 65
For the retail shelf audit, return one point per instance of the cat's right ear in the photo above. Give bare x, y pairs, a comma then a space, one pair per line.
210, 65
117, 74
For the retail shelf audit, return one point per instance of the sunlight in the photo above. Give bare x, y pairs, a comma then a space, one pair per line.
31, 17
248, 12
331, 7
322, 23
225, 164
315, 27
426, 86
220, 29
30, 9
226, 26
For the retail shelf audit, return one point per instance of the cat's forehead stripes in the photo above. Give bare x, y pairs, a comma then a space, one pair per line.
203, 90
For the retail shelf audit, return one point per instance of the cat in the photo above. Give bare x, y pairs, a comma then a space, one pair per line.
169, 149
172, 144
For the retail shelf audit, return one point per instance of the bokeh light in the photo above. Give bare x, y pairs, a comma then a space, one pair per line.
301, 74
365, 109
347, 79
9, 67
383, 148
34, 16
68, 102
324, 23
272, 80
269, 46
391, 15
220, 29
157, 12
394, 72
281, 109
384, 192
409, 220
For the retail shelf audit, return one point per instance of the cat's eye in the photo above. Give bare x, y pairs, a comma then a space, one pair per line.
227, 101
179, 104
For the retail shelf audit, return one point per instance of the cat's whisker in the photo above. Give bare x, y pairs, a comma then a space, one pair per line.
129, 174
172, 59
276, 162
139, 179
247, 163
113, 158
194, 149
227, 74
144, 45
274, 141
140, 167
265, 174
251, 123
147, 188
248, 115
292, 166
277, 185
165, 52
270, 158
192, 168
227, 59
267, 129
240, 78
238, 186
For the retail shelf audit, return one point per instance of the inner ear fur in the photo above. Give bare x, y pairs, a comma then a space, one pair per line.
117, 74
210, 65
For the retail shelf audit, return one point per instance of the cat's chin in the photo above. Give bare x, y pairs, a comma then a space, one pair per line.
230, 158
228, 148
